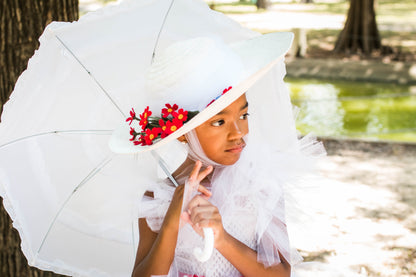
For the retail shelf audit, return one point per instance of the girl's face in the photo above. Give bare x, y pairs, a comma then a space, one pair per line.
221, 137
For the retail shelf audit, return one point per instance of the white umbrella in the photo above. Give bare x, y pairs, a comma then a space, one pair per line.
73, 201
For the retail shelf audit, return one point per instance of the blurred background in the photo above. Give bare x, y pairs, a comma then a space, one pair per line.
352, 76
368, 90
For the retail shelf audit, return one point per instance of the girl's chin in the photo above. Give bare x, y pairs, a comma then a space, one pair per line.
230, 158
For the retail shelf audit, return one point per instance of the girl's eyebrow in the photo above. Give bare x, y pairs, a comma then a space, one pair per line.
242, 108
245, 106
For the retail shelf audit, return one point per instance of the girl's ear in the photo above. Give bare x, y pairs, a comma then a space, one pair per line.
182, 139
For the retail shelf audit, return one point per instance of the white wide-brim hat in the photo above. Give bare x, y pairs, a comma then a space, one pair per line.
192, 72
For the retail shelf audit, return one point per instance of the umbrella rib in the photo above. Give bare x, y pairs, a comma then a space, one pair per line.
160, 31
94, 172
164, 167
92, 76
78, 132
133, 237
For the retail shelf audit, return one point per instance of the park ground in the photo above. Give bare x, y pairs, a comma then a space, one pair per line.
366, 218
365, 206
324, 20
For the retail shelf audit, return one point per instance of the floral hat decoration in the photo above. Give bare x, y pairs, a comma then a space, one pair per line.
191, 81
154, 128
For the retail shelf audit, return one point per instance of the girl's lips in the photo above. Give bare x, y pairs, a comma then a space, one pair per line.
236, 149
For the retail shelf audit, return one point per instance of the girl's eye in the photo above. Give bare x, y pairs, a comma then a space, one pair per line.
244, 116
218, 123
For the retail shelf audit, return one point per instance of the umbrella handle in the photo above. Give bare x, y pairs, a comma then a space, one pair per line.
203, 255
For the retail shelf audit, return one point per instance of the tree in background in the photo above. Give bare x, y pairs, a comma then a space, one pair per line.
360, 33
262, 4
21, 24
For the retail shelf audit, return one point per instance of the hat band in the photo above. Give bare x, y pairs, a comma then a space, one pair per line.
223, 92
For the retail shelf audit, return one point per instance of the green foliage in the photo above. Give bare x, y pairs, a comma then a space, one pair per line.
348, 109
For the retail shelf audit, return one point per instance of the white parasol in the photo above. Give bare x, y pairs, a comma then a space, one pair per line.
73, 201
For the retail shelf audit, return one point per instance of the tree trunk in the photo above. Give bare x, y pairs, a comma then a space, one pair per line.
21, 24
262, 4
360, 33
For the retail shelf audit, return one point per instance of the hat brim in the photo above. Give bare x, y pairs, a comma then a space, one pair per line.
258, 54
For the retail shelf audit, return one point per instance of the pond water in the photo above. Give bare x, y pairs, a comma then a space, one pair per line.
374, 111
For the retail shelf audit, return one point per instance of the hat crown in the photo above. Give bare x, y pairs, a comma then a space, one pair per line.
191, 73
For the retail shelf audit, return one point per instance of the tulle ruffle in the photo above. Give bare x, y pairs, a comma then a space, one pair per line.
265, 178
256, 185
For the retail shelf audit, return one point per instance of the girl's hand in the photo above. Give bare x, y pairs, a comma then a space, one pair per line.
199, 212
173, 214
193, 186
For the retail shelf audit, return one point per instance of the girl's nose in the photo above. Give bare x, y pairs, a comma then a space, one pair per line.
235, 131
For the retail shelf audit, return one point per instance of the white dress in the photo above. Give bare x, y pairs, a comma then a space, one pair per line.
236, 223
252, 209
244, 214
255, 197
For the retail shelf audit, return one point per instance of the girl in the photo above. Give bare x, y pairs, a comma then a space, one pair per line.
239, 175
221, 138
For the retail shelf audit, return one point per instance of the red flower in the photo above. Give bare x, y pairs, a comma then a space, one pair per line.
158, 127
172, 126
144, 118
212, 101
151, 134
140, 141
182, 115
169, 110
133, 133
163, 126
226, 90
132, 116
223, 92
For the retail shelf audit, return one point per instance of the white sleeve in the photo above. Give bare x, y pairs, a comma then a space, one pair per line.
154, 209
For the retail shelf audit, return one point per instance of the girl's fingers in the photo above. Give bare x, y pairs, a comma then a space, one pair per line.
186, 217
197, 175
198, 201
200, 214
194, 174
205, 192
204, 173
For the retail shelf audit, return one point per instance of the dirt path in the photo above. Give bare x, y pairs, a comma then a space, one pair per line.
367, 212
364, 71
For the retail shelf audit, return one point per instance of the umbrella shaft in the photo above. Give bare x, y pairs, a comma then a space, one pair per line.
164, 167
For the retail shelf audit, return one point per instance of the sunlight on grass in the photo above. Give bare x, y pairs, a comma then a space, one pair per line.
387, 11
235, 9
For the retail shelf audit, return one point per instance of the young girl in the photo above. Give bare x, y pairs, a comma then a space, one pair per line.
221, 138
239, 171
